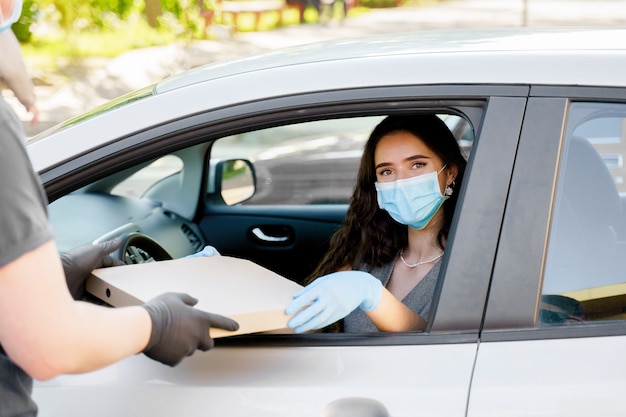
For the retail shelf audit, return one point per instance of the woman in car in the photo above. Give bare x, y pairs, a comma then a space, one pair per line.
382, 266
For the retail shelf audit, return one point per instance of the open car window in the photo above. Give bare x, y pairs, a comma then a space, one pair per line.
314, 162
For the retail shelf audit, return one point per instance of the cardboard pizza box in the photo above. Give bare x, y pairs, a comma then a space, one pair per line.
252, 295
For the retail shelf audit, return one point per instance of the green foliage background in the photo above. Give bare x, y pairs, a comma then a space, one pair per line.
53, 29
90, 15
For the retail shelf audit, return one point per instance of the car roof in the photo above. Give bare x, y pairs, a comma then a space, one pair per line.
520, 56
529, 55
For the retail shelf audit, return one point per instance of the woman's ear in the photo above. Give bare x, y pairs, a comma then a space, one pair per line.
453, 170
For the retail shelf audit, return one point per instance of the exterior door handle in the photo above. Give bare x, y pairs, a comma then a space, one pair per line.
355, 407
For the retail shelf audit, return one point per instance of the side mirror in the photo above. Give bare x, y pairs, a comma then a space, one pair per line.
234, 181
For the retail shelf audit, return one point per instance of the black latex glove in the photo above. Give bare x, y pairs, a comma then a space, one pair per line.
178, 329
79, 262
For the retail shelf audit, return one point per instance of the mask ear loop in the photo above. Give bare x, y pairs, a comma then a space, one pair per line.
447, 192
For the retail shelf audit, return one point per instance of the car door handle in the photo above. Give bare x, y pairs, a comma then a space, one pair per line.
355, 407
262, 236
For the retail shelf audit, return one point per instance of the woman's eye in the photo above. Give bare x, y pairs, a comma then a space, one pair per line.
417, 165
384, 172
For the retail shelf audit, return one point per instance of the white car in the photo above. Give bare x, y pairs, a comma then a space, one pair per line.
528, 318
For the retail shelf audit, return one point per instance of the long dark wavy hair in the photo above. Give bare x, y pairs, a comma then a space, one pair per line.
368, 234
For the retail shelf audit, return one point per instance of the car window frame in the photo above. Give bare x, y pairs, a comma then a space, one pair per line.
501, 112
462, 285
513, 305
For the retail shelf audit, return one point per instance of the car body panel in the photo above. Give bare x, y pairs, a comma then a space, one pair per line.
480, 43
549, 377
271, 381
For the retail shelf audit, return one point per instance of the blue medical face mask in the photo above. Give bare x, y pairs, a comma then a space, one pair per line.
411, 201
10, 15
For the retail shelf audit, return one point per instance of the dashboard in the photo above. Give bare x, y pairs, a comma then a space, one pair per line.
83, 218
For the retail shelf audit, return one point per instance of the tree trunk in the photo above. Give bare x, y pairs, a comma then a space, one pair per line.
153, 11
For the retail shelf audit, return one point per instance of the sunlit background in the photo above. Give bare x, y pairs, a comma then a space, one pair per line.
81, 54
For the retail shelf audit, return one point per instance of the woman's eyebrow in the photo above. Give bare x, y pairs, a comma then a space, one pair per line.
415, 157
408, 159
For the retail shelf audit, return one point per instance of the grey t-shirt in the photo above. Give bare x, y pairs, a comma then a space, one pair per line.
418, 299
23, 227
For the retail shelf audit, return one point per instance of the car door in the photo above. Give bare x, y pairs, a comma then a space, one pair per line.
410, 374
554, 332
396, 374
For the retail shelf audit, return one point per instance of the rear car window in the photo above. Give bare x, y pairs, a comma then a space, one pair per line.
585, 270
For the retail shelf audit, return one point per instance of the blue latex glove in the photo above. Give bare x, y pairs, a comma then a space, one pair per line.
332, 297
206, 252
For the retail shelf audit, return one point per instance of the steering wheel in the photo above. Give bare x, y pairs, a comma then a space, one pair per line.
138, 248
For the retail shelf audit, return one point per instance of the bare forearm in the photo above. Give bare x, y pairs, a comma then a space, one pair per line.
392, 315
91, 338
47, 333
102, 336
13, 70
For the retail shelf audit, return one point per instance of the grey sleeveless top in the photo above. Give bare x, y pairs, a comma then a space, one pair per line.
418, 299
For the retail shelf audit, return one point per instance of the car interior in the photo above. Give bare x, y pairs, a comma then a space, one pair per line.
275, 196
587, 239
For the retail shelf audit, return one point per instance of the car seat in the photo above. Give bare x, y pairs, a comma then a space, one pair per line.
586, 224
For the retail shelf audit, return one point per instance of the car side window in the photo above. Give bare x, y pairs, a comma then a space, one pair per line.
585, 270
313, 162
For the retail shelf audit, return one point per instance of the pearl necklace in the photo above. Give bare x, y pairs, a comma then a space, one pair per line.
408, 265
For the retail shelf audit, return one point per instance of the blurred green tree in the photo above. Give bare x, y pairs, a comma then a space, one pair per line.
152, 11
21, 28
182, 17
